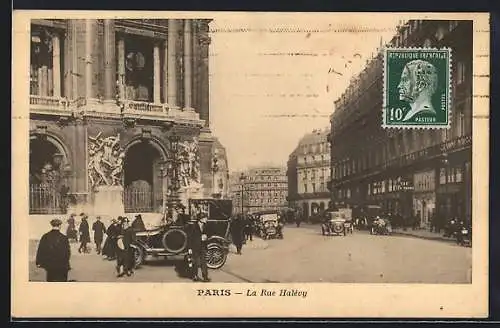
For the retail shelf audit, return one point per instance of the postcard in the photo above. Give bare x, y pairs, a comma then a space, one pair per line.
250, 164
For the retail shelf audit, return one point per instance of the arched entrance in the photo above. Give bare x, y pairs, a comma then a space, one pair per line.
47, 176
314, 209
142, 178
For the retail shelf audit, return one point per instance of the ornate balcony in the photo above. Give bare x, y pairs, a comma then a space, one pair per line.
50, 105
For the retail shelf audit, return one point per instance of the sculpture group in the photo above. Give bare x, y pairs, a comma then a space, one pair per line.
106, 158
189, 163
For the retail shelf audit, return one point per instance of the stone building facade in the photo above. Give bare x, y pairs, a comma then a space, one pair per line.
407, 171
308, 172
114, 106
263, 188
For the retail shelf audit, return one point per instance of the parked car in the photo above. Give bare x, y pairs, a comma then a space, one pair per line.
171, 240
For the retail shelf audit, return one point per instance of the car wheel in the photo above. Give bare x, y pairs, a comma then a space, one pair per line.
216, 256
139, 255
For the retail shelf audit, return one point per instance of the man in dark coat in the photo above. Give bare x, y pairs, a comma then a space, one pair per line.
99, 230
84, 231
125, 252
109, 249
237, 226
197, 239
53, 253
248, 228
138, 224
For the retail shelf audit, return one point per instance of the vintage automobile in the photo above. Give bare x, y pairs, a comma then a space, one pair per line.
381, 227
269, 225
334, 224
171, 240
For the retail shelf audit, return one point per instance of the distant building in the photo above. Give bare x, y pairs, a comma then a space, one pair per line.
308, 174
264, 188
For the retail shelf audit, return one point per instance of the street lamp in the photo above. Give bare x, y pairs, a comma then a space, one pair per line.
242, 181
215, 169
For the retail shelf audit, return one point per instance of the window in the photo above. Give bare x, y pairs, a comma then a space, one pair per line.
322, 186
460, 72
42, 79
305, 188
313, 187
459, 176
442, 176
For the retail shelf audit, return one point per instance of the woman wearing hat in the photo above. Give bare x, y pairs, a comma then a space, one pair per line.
125, 253
109, 249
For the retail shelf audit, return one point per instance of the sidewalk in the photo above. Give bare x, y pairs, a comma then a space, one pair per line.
421, 233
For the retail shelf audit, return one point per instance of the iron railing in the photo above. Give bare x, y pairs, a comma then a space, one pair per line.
45, 199
142, 200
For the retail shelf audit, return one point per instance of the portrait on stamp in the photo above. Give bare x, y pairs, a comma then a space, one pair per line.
417, 87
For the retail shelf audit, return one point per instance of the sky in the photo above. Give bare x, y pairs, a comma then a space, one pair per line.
275, 78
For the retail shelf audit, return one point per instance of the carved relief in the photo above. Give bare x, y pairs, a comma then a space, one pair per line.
106, 158
189, 168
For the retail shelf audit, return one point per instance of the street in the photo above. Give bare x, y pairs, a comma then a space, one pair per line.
304, 255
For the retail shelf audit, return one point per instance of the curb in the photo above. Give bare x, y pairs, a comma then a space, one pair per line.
423, 237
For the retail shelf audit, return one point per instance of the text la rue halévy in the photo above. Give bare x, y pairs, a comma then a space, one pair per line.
253, 292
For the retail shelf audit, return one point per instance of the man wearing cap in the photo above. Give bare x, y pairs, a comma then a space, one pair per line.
198, 246
53, 253
99, 229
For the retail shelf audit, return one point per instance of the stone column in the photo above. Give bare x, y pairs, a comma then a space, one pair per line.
67, 62
89, 35
121, 67
203, 88
165, 73
188, 44
172, 62
156, 75
56, 65
74, 58
109, 59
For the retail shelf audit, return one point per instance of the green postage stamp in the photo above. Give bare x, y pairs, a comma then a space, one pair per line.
417, 87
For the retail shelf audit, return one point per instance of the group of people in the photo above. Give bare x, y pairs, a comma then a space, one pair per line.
54, 252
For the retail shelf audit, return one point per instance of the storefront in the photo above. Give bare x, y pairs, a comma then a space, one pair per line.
424, 196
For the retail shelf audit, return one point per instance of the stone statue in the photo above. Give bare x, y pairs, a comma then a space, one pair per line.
105, 166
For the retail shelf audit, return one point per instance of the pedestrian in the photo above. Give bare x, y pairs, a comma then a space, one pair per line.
71, 232
99, 230
125, 251
53, 253
248, 229
197, 241
237, 226
138, 223
84, 231
109, 249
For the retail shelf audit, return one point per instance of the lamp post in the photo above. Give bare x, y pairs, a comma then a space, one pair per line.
242, 180
215, 169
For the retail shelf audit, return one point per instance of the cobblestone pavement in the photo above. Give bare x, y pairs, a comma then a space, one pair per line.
304, 255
